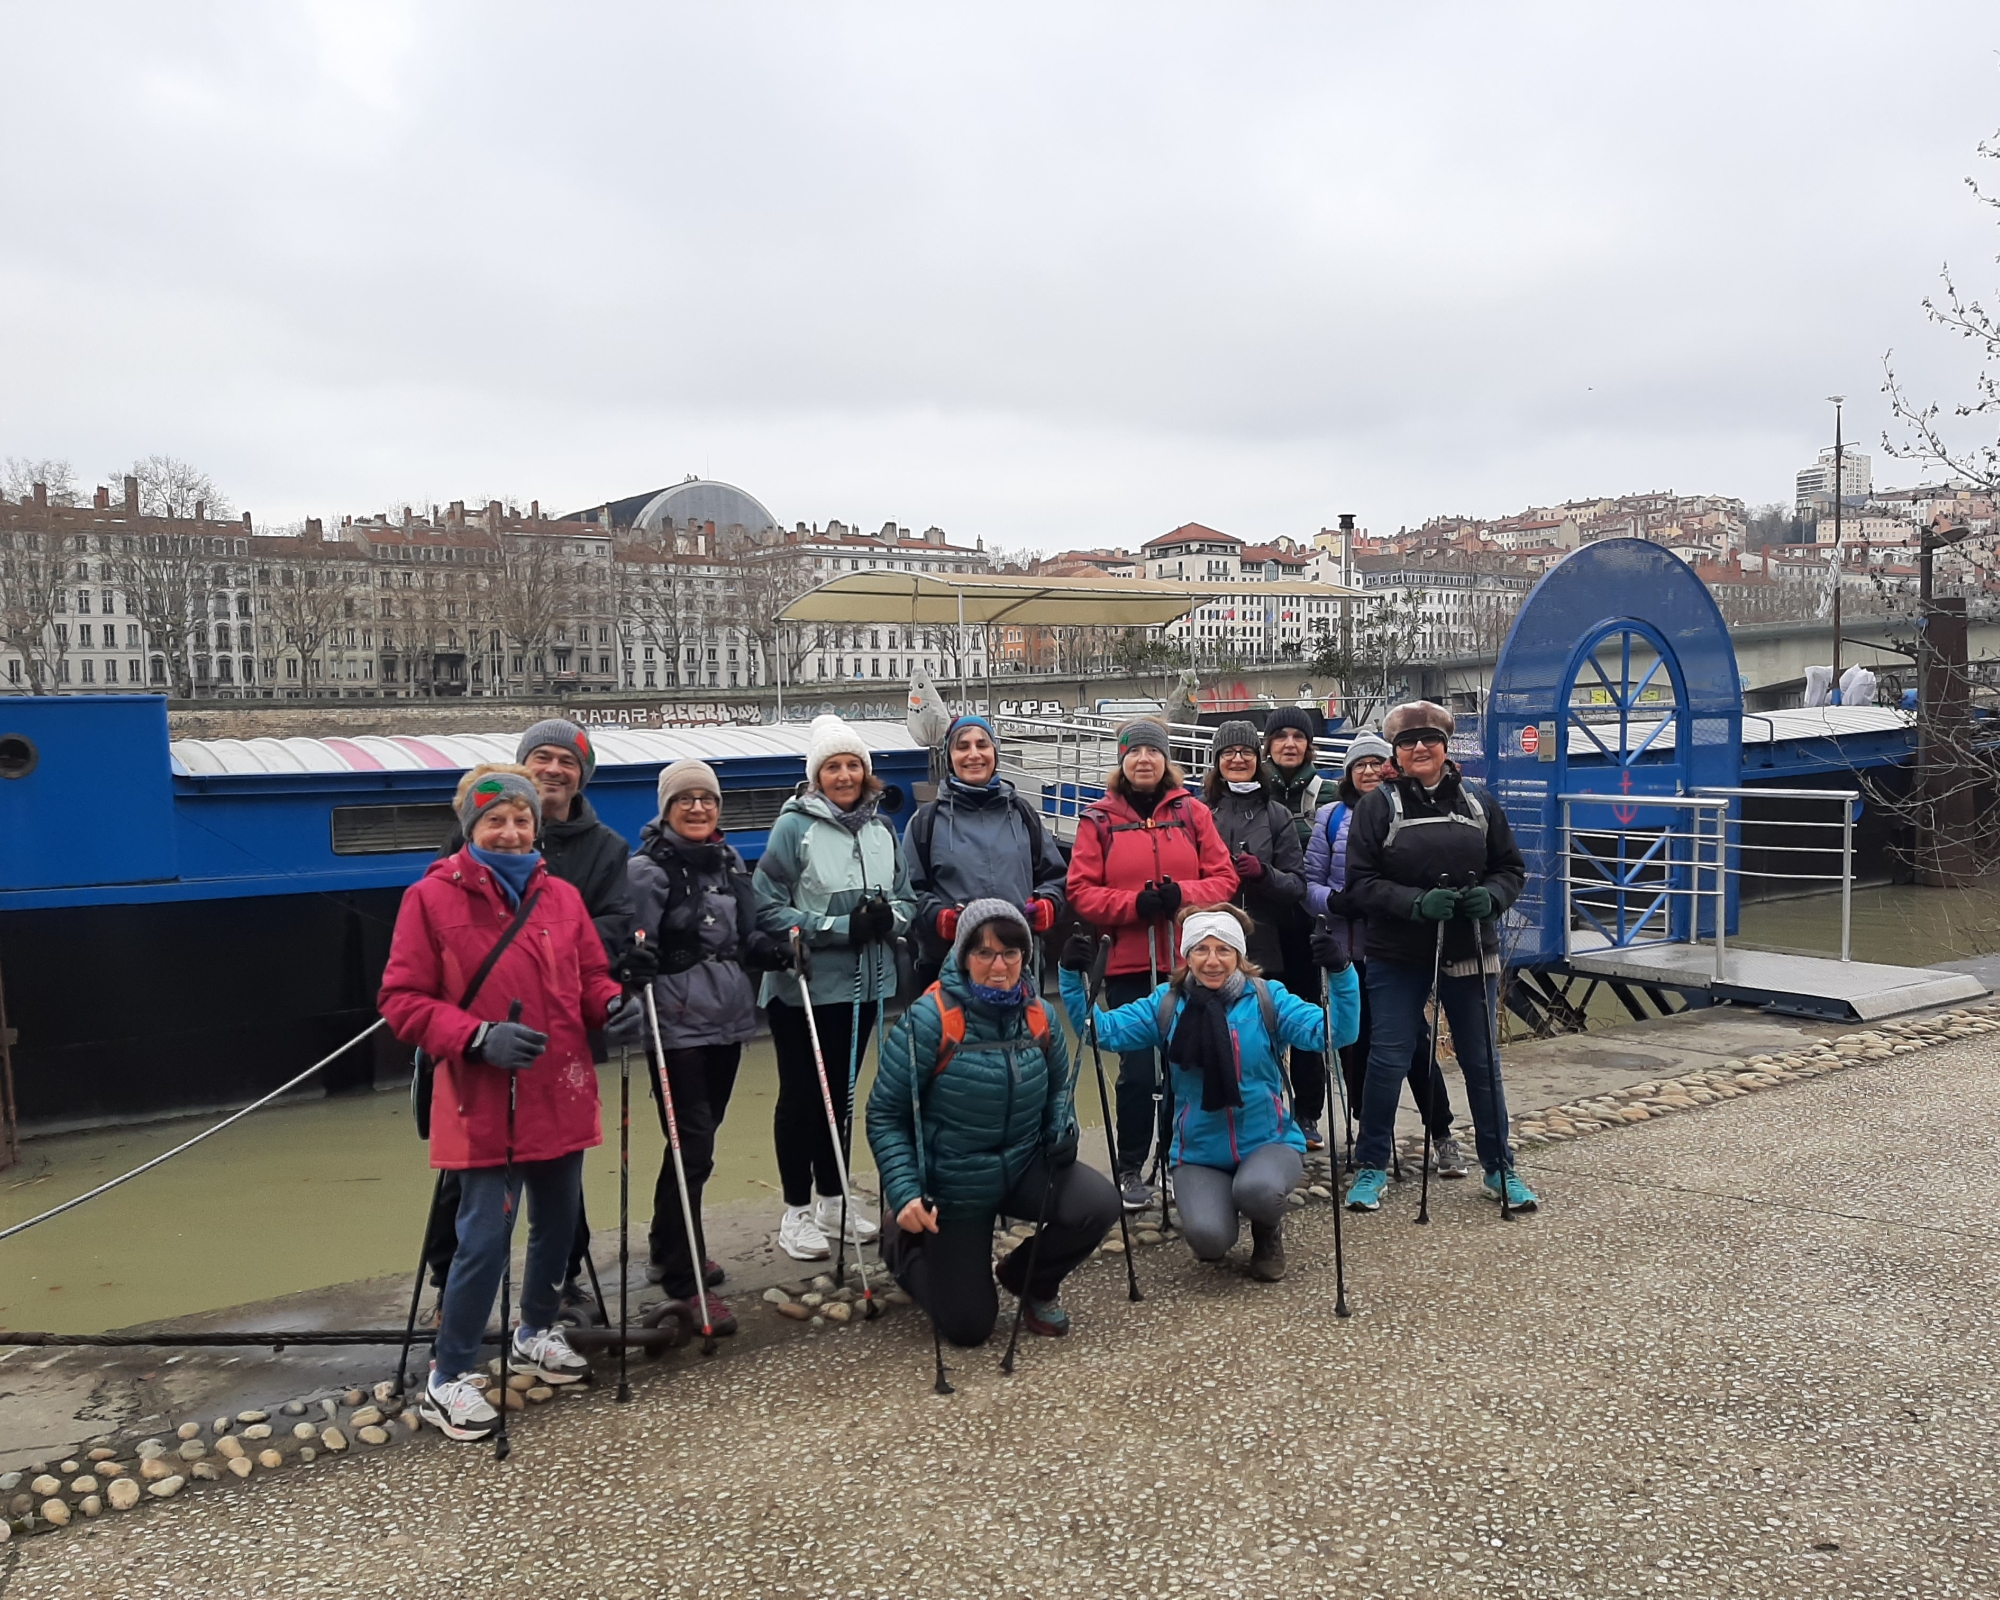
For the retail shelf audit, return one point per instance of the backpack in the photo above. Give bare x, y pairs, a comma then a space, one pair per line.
951, 1027
924, 824
1164, 1021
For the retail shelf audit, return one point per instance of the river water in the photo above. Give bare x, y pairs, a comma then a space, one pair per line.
328, 1191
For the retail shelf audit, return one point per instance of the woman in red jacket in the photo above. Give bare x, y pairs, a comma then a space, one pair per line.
522, 1033
1141, 852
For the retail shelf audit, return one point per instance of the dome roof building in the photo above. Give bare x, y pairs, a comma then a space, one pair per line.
687, 504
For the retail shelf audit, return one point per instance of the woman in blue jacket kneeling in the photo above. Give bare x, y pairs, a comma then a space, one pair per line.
1237, 1150
971, 1117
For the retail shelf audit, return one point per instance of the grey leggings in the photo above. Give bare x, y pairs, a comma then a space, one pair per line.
1213, 1200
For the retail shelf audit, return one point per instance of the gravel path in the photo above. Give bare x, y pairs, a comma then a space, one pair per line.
1748, 1350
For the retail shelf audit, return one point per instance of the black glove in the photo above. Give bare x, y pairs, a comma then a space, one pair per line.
512, 1045
1079, 951
1158, 903
625, 1023
1062, 1149
1476, 902
762, 953
637, 964
1341, 904
1329, 945
871, 922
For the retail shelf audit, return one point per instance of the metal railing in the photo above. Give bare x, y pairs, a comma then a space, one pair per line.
1060, 764
1638, 882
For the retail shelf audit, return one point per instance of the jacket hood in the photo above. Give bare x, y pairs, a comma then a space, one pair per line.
459, 864
581, 820
656, 839
812, 803
1119, 809
952, 793
997, 1018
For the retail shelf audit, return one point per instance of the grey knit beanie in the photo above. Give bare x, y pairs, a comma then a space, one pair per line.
480, 789
557, 734
977, 914
1367, 744
1143, 733
1232, 735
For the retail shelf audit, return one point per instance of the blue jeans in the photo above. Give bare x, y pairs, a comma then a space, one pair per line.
1397, 991
555, 1188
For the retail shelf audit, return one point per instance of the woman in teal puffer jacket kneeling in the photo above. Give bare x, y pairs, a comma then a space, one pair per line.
1237, 1150
971, 1118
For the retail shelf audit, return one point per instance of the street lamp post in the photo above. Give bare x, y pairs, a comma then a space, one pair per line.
1839, 554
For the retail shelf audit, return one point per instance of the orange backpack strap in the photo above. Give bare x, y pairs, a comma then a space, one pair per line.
951, 1025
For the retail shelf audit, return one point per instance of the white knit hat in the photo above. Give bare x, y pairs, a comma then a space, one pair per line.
831, 736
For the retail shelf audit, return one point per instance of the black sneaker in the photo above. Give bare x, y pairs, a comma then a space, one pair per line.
579, 1308
1134, 1192
1267, 1251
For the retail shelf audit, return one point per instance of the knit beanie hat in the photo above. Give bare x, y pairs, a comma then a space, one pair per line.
1297, 718
1231, 735
557, 734
831, 736
976, 915
968, 721
684, 775
1143, 733
483, 786
1368, 744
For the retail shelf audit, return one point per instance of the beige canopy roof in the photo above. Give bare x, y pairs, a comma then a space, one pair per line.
923, 597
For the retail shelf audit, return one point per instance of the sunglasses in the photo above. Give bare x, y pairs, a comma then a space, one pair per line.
1417, 736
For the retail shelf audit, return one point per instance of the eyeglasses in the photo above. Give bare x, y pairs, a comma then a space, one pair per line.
1417, 736
1002, 957
1368, 764
695, 801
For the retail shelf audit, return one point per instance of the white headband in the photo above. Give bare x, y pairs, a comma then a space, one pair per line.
1213, 924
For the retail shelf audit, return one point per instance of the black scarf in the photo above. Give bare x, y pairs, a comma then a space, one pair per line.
1201, 1042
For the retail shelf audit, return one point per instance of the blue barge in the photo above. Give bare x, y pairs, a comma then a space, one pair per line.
184, 925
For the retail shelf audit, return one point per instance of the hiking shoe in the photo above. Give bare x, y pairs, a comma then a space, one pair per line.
1519, 1196
1365, 1192
1267, 1251
1044, 1317
859, 1228
457, 1408
579, 1307
1315, 1140
712, 1273
799, 1236
1447, 1160
432, 1314
1134, 1192
550, 1356
721, 1319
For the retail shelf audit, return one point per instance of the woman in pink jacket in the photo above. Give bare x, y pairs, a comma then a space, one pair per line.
521, 1033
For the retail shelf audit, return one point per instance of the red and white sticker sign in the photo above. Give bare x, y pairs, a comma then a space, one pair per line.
1531, 739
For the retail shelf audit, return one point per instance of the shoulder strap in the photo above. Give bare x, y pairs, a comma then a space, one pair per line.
499, 947
951, 1025
1163, 1017
1334, 814
1396, 815
920, 843
1269, 1008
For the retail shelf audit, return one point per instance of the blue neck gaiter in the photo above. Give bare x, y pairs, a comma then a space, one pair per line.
1016, 995
510, 872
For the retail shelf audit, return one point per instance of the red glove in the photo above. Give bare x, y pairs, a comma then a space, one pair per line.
1041, 914
1248, 867
947, 924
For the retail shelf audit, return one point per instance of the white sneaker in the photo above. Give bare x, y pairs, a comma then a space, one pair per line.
457, 1407
549, 1355
799, 1236
859, 1228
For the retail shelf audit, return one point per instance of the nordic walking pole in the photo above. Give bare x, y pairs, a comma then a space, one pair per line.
416, 1293
1034, 1254
1339, 1200
1437, 1020
844, 1133
502, 1446
680, 1167
624, 1213
1104, 1100
1160, 1078
943, 1385
869, 1308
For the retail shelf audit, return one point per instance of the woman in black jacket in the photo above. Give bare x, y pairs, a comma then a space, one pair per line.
1263, 845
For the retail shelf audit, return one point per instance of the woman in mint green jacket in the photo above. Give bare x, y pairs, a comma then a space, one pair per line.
833, 872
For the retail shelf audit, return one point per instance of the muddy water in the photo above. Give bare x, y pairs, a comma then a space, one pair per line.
304, 1195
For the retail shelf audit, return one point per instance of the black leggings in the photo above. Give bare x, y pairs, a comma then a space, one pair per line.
1138, 1078
1301, 976
1427, 1087
702, 1079
805, 1147
950, 1273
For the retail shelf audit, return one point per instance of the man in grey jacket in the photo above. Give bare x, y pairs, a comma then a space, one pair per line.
978, 840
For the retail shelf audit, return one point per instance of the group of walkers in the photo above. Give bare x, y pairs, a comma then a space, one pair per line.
1228, 945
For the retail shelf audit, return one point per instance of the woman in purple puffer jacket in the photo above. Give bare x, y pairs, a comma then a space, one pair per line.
1368, 761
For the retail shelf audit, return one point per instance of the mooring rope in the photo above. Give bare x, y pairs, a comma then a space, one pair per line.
105, 1188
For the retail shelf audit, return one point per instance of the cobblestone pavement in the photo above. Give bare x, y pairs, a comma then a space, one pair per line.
1744, 1350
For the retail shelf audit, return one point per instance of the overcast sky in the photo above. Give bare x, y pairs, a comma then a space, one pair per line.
1055, 275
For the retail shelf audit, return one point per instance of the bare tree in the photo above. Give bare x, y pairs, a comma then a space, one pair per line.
166, 584
303, 603
1383, 646
20, 477
172, 488
533, 589
34, 573
764, 581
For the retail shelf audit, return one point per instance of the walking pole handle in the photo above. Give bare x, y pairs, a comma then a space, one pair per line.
514, 1012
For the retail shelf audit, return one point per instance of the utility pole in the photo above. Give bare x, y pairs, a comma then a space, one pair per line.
1839, 554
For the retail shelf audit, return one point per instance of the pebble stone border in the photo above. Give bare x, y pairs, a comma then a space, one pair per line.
119, 1476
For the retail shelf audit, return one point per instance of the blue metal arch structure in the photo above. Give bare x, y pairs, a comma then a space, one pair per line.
1620, 660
